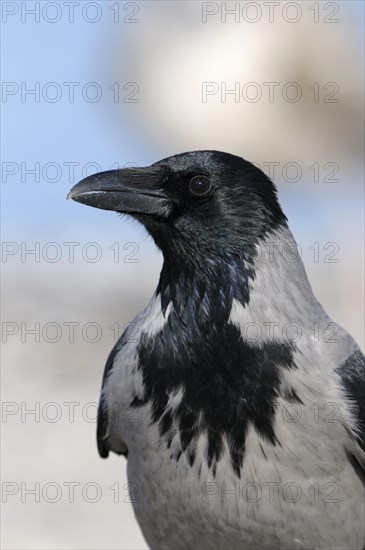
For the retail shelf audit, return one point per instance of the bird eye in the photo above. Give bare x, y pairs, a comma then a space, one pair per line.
199, 186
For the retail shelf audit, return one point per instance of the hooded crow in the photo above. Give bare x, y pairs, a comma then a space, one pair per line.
239, 403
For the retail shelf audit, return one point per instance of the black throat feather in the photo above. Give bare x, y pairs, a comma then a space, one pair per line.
226, 383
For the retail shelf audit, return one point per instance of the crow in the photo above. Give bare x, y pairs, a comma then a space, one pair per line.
239, 403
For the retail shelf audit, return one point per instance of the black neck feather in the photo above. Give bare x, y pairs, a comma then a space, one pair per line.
226, 383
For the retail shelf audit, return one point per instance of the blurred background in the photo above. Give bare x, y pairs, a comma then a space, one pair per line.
88, 86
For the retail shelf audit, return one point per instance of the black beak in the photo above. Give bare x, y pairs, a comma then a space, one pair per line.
130, 190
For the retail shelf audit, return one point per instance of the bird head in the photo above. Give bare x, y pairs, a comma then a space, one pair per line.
197, 206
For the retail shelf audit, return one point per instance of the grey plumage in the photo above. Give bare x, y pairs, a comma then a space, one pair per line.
248, 423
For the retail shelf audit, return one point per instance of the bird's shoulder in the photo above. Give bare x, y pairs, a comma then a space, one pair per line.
352, 375
102, 432
351, 372
121, 383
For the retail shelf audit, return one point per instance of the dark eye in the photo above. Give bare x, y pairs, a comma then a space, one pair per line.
199, 186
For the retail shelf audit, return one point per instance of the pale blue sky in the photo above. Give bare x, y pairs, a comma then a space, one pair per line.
81, 132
